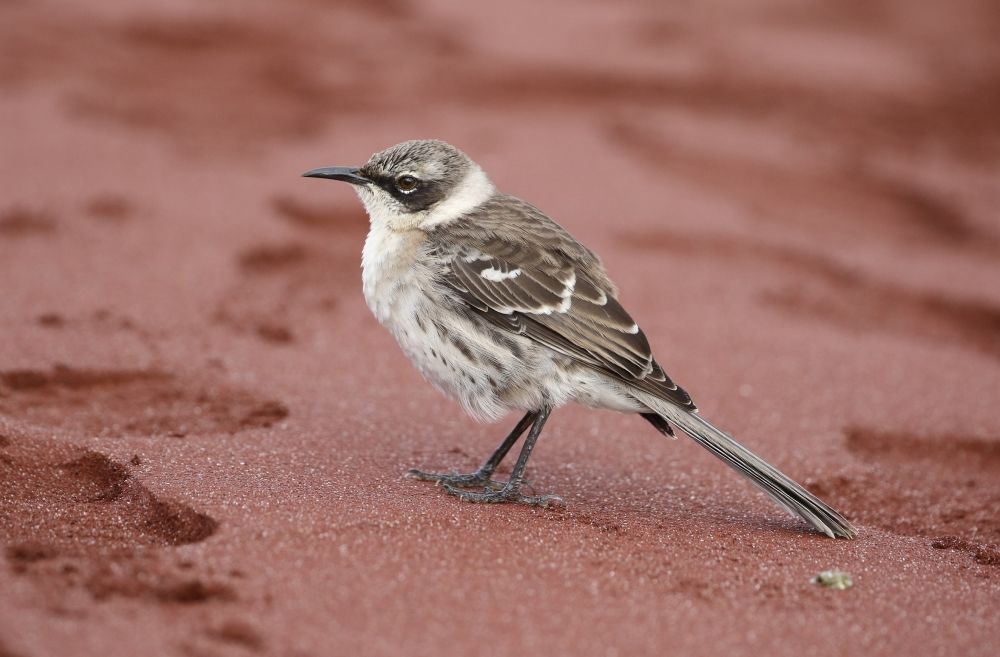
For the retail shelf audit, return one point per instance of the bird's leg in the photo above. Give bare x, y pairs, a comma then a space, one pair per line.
511, 491
480, 477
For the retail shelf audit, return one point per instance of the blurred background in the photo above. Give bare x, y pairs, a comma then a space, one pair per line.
867, 129
799, 199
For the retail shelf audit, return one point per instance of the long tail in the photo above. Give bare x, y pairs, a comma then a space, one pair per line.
769, 479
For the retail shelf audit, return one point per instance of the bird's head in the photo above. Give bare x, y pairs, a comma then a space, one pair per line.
415, 184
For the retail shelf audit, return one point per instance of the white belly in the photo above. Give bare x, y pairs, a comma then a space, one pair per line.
485, 370
444, 347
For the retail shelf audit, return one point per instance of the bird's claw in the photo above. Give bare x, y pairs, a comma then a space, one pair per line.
508, 494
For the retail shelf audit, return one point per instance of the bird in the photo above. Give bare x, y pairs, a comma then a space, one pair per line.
500, 308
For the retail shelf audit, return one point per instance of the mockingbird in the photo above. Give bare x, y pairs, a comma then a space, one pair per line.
501, 308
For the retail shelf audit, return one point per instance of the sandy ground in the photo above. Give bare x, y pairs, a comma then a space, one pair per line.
203, 430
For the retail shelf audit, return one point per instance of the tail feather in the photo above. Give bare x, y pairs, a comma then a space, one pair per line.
769, 479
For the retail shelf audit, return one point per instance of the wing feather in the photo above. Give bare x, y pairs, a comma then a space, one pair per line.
523, 273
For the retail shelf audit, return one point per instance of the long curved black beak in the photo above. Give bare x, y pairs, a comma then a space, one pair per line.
347, 174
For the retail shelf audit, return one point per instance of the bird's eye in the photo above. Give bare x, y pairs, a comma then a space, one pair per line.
406, 183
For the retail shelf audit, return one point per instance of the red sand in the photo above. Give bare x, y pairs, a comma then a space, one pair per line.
203, 430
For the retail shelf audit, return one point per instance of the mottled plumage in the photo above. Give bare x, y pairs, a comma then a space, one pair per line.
501, 308
525, 274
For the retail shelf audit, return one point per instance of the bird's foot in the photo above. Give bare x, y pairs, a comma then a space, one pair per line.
477, 479
509, 493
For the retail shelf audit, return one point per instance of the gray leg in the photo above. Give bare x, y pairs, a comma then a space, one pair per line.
481, 477
511, 492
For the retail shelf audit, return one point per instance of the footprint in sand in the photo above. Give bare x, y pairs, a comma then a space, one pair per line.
110, 208
18, 222
237, 633
287, 290
131, 402
74, 519
942, 487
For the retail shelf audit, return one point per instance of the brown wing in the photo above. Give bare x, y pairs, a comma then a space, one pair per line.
557, 294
